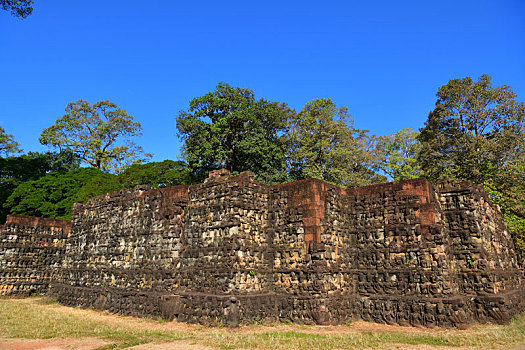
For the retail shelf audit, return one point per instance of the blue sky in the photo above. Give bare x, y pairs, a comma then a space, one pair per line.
384, 60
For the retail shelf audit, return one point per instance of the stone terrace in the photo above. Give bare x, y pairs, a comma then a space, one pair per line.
234, 251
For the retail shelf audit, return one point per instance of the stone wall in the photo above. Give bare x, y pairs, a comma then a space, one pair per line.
386, 245
234, 251
482, 253
123, 253
31, 252
402, 253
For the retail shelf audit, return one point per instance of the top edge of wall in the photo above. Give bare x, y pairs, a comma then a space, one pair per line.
34, 221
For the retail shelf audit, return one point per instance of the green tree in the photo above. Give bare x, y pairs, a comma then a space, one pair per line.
512, 204
396, 154
16, 170
324, 144
18, 8
99, 134
53, 195
476, 132
156, 174
99, 184
229, 128
7, 145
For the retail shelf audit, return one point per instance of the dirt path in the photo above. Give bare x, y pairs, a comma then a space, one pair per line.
171, 346
88, 344
52, 344
94, 343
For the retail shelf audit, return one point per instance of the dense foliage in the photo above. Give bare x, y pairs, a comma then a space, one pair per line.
16, 170
52, 195
156, 174
48, 184
229, 128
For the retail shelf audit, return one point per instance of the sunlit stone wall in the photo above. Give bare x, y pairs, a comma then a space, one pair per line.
232, 251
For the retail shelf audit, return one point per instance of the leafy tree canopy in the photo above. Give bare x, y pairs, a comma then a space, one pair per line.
7, 145
18, 8
396, 155
512, 203
97, 185
99, 134
53, 195
476, 132
31, 166
229, 128
155, 174
324, 144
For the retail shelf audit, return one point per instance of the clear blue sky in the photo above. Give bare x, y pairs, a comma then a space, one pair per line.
384, 60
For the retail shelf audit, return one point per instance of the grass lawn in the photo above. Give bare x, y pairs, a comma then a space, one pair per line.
42, 318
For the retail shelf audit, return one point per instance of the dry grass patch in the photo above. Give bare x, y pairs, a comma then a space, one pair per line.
42, 318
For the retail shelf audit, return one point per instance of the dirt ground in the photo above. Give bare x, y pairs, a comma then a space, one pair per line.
52, 344
87, 344
94, 343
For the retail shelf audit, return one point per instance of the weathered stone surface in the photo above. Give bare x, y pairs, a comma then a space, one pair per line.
31, 251
233, 251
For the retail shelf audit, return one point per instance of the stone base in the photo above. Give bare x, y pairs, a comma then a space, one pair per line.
233, 310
